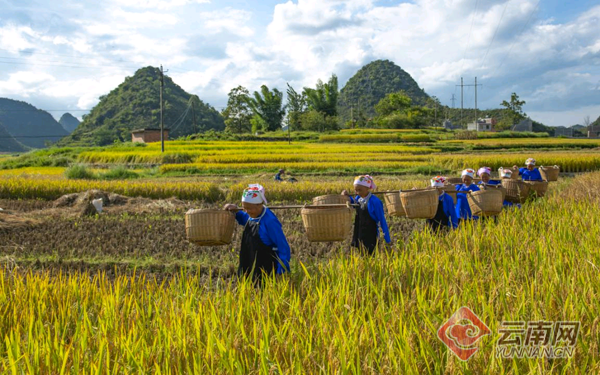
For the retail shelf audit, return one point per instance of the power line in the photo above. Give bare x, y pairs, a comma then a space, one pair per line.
514, 41
469, 36
495, 32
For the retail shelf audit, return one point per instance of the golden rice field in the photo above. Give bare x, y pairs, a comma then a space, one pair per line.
341, 314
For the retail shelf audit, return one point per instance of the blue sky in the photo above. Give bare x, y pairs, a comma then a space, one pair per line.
63, 55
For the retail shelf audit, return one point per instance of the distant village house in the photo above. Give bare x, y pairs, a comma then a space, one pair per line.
483, 125
148, 135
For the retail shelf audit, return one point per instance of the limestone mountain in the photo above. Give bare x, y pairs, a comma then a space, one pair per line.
28, 125
371, 84
135, 104
68, 122
8, 143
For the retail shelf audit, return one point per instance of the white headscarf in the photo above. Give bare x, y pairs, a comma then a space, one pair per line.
254, 194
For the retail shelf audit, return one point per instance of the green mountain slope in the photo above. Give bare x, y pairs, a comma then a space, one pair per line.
69, 122
371, 84
30, 126
8, 143
135, 104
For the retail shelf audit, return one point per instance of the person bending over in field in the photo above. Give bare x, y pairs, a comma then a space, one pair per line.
485, 173
264, 248
278, 177
463, 211
369, 216
445, 216
530, 172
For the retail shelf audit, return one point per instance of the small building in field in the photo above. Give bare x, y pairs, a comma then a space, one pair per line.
594, 131
526, 125
483, 125
563, 131
148, 135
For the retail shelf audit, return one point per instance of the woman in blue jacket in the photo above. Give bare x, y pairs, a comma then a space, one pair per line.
264, 248
530, 172
485, 173
463, 211
369, 216
445, 216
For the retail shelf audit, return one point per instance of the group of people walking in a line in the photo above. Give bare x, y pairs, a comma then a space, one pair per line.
264, 247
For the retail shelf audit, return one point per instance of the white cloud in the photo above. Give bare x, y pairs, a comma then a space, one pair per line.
158, 4
211, 51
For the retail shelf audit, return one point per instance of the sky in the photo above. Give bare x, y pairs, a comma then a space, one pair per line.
61, 56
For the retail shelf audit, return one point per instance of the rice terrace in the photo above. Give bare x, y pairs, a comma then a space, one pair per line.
299, 187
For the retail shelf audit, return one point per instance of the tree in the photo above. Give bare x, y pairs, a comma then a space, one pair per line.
514, 109
325, 97
394, 102
435, 115
267, 105
586, 122
296, 106
317, 121
237, 114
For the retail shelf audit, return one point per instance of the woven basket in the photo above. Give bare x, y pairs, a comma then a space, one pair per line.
485, 202
331, 199
497, 187
538, 187
327, 224
451, 191
209, 227
550, 174
394, 204
513, 176
517, 191
420, 204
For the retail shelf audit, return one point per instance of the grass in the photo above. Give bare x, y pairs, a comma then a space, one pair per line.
346, 314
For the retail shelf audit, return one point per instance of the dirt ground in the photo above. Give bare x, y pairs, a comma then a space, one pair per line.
134, 234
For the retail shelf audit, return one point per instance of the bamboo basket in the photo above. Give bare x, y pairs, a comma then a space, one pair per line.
513, 176
209, 227
486, 202
497, 187
327, 224
538, 187
550, 174
451, 191
420, 204
331, 199
517, 191
394, 204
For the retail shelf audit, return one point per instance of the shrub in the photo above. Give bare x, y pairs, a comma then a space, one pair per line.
79, 172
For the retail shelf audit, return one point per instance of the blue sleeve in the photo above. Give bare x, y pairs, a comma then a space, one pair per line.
241, 217
458, 187
450, 211
352, 199
274, 232
538, 174
475, 187
376, 212
521, 171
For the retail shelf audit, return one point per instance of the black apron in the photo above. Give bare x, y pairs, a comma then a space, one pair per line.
365, 230
255, 256
440, 221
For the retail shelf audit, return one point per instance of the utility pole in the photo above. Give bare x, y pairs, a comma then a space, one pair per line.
461, 97
461, 100
194, 116
162, 117
453, 100
476, 100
